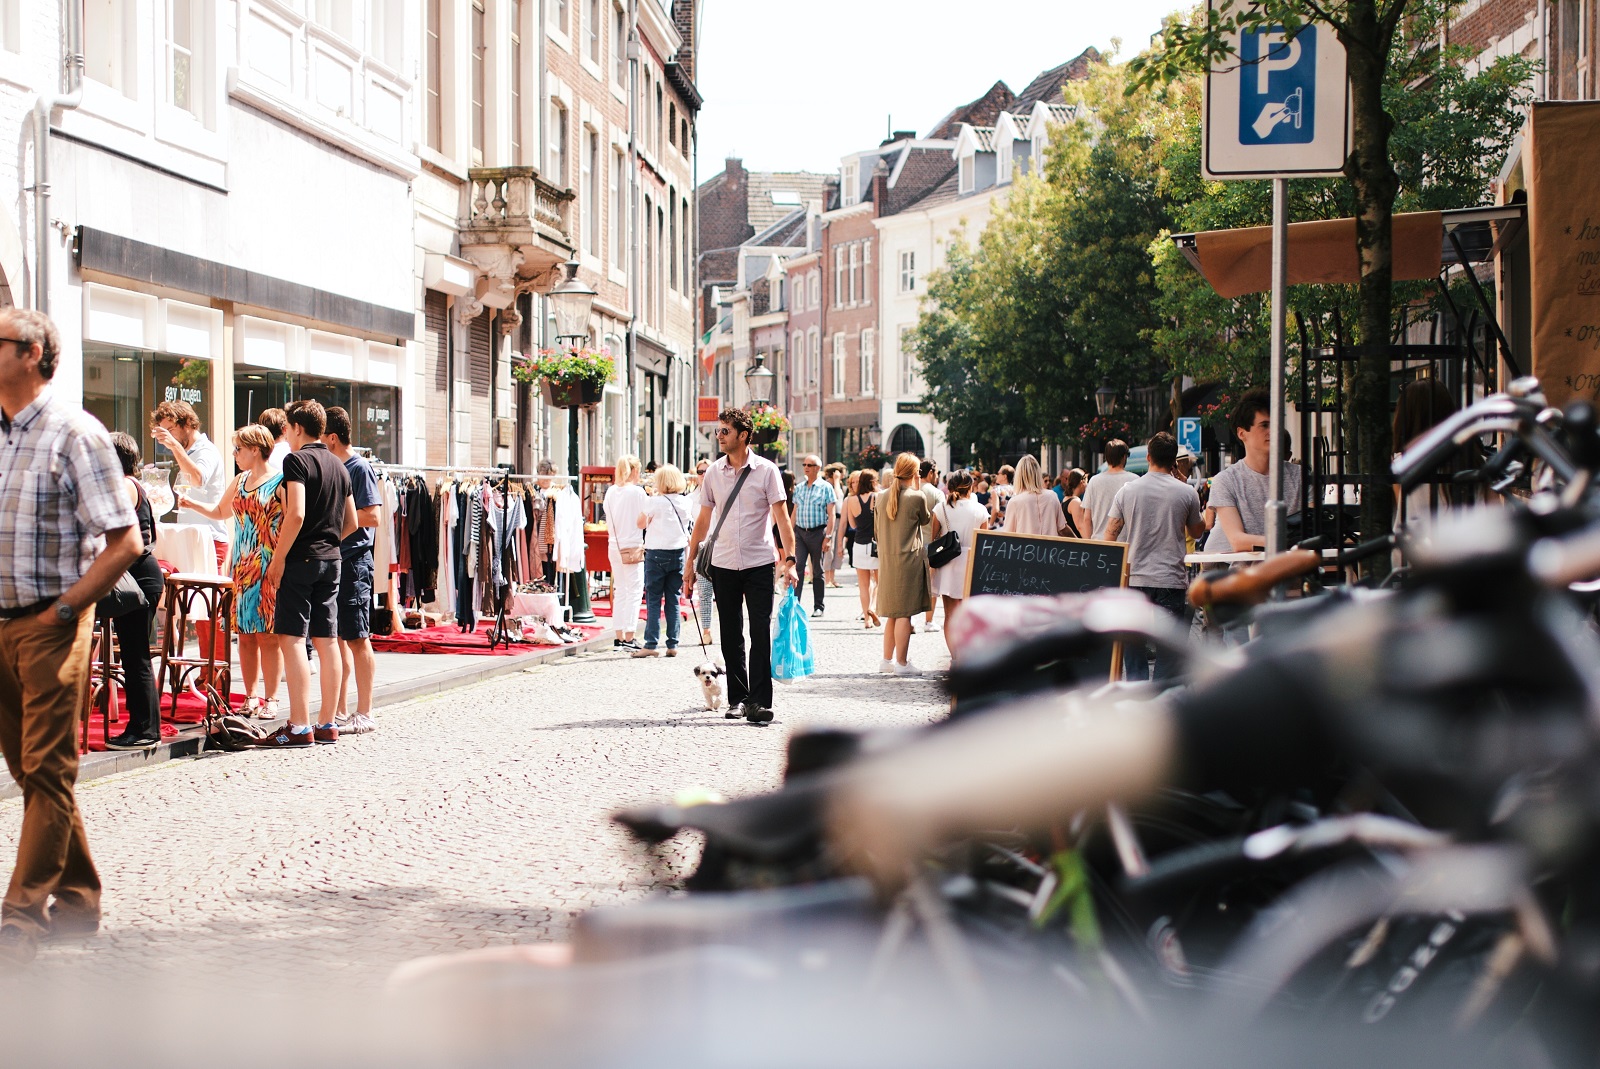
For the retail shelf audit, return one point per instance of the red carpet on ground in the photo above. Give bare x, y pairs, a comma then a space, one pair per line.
191, 710
448, 638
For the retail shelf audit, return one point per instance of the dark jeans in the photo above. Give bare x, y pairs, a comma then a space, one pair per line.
808, 543
1136, 659
735, 592
663, 579
133, 641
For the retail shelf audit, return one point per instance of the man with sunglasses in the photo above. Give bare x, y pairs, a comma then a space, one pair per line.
815, 507
744, 494
67, 532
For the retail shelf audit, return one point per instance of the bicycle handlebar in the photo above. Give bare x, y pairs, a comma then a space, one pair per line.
1250, 586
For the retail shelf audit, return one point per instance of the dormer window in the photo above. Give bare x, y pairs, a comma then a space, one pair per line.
850, 184
1004, 152
965, 179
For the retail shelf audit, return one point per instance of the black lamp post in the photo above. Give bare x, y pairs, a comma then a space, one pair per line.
570, 303
1105, 400
759, 381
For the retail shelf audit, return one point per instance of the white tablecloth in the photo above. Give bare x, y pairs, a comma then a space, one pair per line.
187, 548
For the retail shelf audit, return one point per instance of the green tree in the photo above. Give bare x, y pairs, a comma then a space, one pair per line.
1395, 139
981, 417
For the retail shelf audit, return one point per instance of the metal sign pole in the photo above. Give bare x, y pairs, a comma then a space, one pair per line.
1277, 511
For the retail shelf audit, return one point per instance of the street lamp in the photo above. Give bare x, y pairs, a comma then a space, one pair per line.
571, 301
759, 381
1105, 400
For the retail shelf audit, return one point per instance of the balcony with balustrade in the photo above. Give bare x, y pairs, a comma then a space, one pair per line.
515, 226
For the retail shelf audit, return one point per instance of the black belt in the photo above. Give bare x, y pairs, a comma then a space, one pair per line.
27, 610
818, 527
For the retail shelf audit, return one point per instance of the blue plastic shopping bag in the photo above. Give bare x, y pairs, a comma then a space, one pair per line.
791, 641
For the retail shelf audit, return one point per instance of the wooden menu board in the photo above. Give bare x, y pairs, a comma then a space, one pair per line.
1001, 562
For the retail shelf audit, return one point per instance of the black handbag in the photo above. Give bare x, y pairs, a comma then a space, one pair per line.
944, 549
124, 598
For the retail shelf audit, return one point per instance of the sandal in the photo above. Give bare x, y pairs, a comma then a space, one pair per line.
877, 621
253, 706
269, 709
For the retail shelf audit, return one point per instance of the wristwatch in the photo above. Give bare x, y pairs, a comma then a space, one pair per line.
65, 612
789, 559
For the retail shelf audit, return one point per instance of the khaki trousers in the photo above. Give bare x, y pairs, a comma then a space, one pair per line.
44, 669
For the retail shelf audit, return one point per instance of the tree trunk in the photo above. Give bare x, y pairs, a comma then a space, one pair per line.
1375, 184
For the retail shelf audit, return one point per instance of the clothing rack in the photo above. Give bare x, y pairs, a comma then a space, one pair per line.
458, 469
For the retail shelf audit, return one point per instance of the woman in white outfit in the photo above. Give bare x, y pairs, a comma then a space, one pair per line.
958, 513
860, 516
624, 502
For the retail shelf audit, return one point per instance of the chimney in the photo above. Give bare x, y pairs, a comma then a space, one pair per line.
733, 167
880, 186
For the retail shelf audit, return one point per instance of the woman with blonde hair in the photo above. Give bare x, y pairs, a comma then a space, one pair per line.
1033, 509
625, 500
859, 521
256, 502
903, 580
666, 522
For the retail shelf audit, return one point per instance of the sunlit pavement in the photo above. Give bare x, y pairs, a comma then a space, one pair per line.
474, 818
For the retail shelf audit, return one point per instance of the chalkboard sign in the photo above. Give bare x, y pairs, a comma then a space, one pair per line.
1001, 562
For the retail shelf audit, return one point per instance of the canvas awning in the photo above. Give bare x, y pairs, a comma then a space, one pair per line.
1237, 262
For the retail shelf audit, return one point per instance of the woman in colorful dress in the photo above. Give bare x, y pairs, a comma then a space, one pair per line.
255, 500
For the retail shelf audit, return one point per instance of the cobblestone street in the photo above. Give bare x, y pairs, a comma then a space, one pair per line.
470, 819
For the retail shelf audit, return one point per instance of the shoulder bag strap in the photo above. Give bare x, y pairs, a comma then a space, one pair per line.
728, 504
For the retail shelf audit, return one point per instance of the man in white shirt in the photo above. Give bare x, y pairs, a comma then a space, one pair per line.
1103, 487
743, 559
202, 475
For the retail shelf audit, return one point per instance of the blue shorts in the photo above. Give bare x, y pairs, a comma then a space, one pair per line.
355, 597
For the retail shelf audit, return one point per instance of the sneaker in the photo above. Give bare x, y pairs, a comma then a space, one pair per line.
815, 613
757, 714
907, 669
357, 724
645, 651
325, 734
886, 667
129, 741
17, 947
930, 628
284, 738
736, 712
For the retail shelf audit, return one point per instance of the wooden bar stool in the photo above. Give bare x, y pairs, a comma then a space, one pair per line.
105, 676
212, 668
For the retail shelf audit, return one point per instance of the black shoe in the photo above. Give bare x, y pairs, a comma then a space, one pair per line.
129, 741
757, 714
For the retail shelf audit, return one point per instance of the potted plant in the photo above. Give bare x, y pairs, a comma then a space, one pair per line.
572, 377
767, 423
1100, 430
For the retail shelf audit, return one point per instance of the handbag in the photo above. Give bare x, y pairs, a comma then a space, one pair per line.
945, 548
631, 554
123, 598
702, 559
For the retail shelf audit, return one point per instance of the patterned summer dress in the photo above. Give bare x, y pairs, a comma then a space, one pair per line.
257, 515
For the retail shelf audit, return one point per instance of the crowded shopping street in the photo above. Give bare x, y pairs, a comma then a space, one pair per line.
702, 534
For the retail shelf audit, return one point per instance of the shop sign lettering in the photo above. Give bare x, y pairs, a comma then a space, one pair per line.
194, 397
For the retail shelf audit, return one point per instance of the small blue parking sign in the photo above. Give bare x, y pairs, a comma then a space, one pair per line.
1278, 92
1189, 434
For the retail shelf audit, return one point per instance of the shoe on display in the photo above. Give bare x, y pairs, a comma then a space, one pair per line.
757, 714
907, 669
129, 741
284, 738
325, 734
886, 666
17, 947
646, 651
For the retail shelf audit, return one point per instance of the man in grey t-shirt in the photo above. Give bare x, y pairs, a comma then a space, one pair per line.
1239, 493
1103, 487
1152, 515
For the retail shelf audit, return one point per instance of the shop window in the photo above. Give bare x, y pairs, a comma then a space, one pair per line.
374, 410
121, 387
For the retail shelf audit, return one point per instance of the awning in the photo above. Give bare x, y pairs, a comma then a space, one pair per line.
1237, 262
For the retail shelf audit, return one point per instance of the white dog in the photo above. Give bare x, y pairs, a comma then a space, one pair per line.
710, 674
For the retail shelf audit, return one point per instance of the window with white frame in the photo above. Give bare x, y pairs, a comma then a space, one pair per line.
855, 273
480, 80
649, 262
516, 81
338, 16
866, 271
591, 191
797, 294
433, 73
814, 360
908, 362
558, 15
558, 145
189, 58
799, 359
108, 44
839, 254
965, 179
592, 32
386, 32
815, 300
683, 251
619, 44
850, 184
869, 361
838, 365
11, 25
672, 247
619, 208
908, 271
1003, 167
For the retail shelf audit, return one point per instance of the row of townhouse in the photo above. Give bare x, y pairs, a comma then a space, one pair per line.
827, 294
241, 202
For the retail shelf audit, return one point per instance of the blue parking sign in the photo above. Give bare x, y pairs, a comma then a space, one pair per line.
1189, 434
1278, 88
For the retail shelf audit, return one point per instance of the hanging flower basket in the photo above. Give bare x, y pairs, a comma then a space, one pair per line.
570, 377
1102, 429
767, 424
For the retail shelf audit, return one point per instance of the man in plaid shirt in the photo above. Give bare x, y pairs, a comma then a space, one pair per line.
815, 505
67, 532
